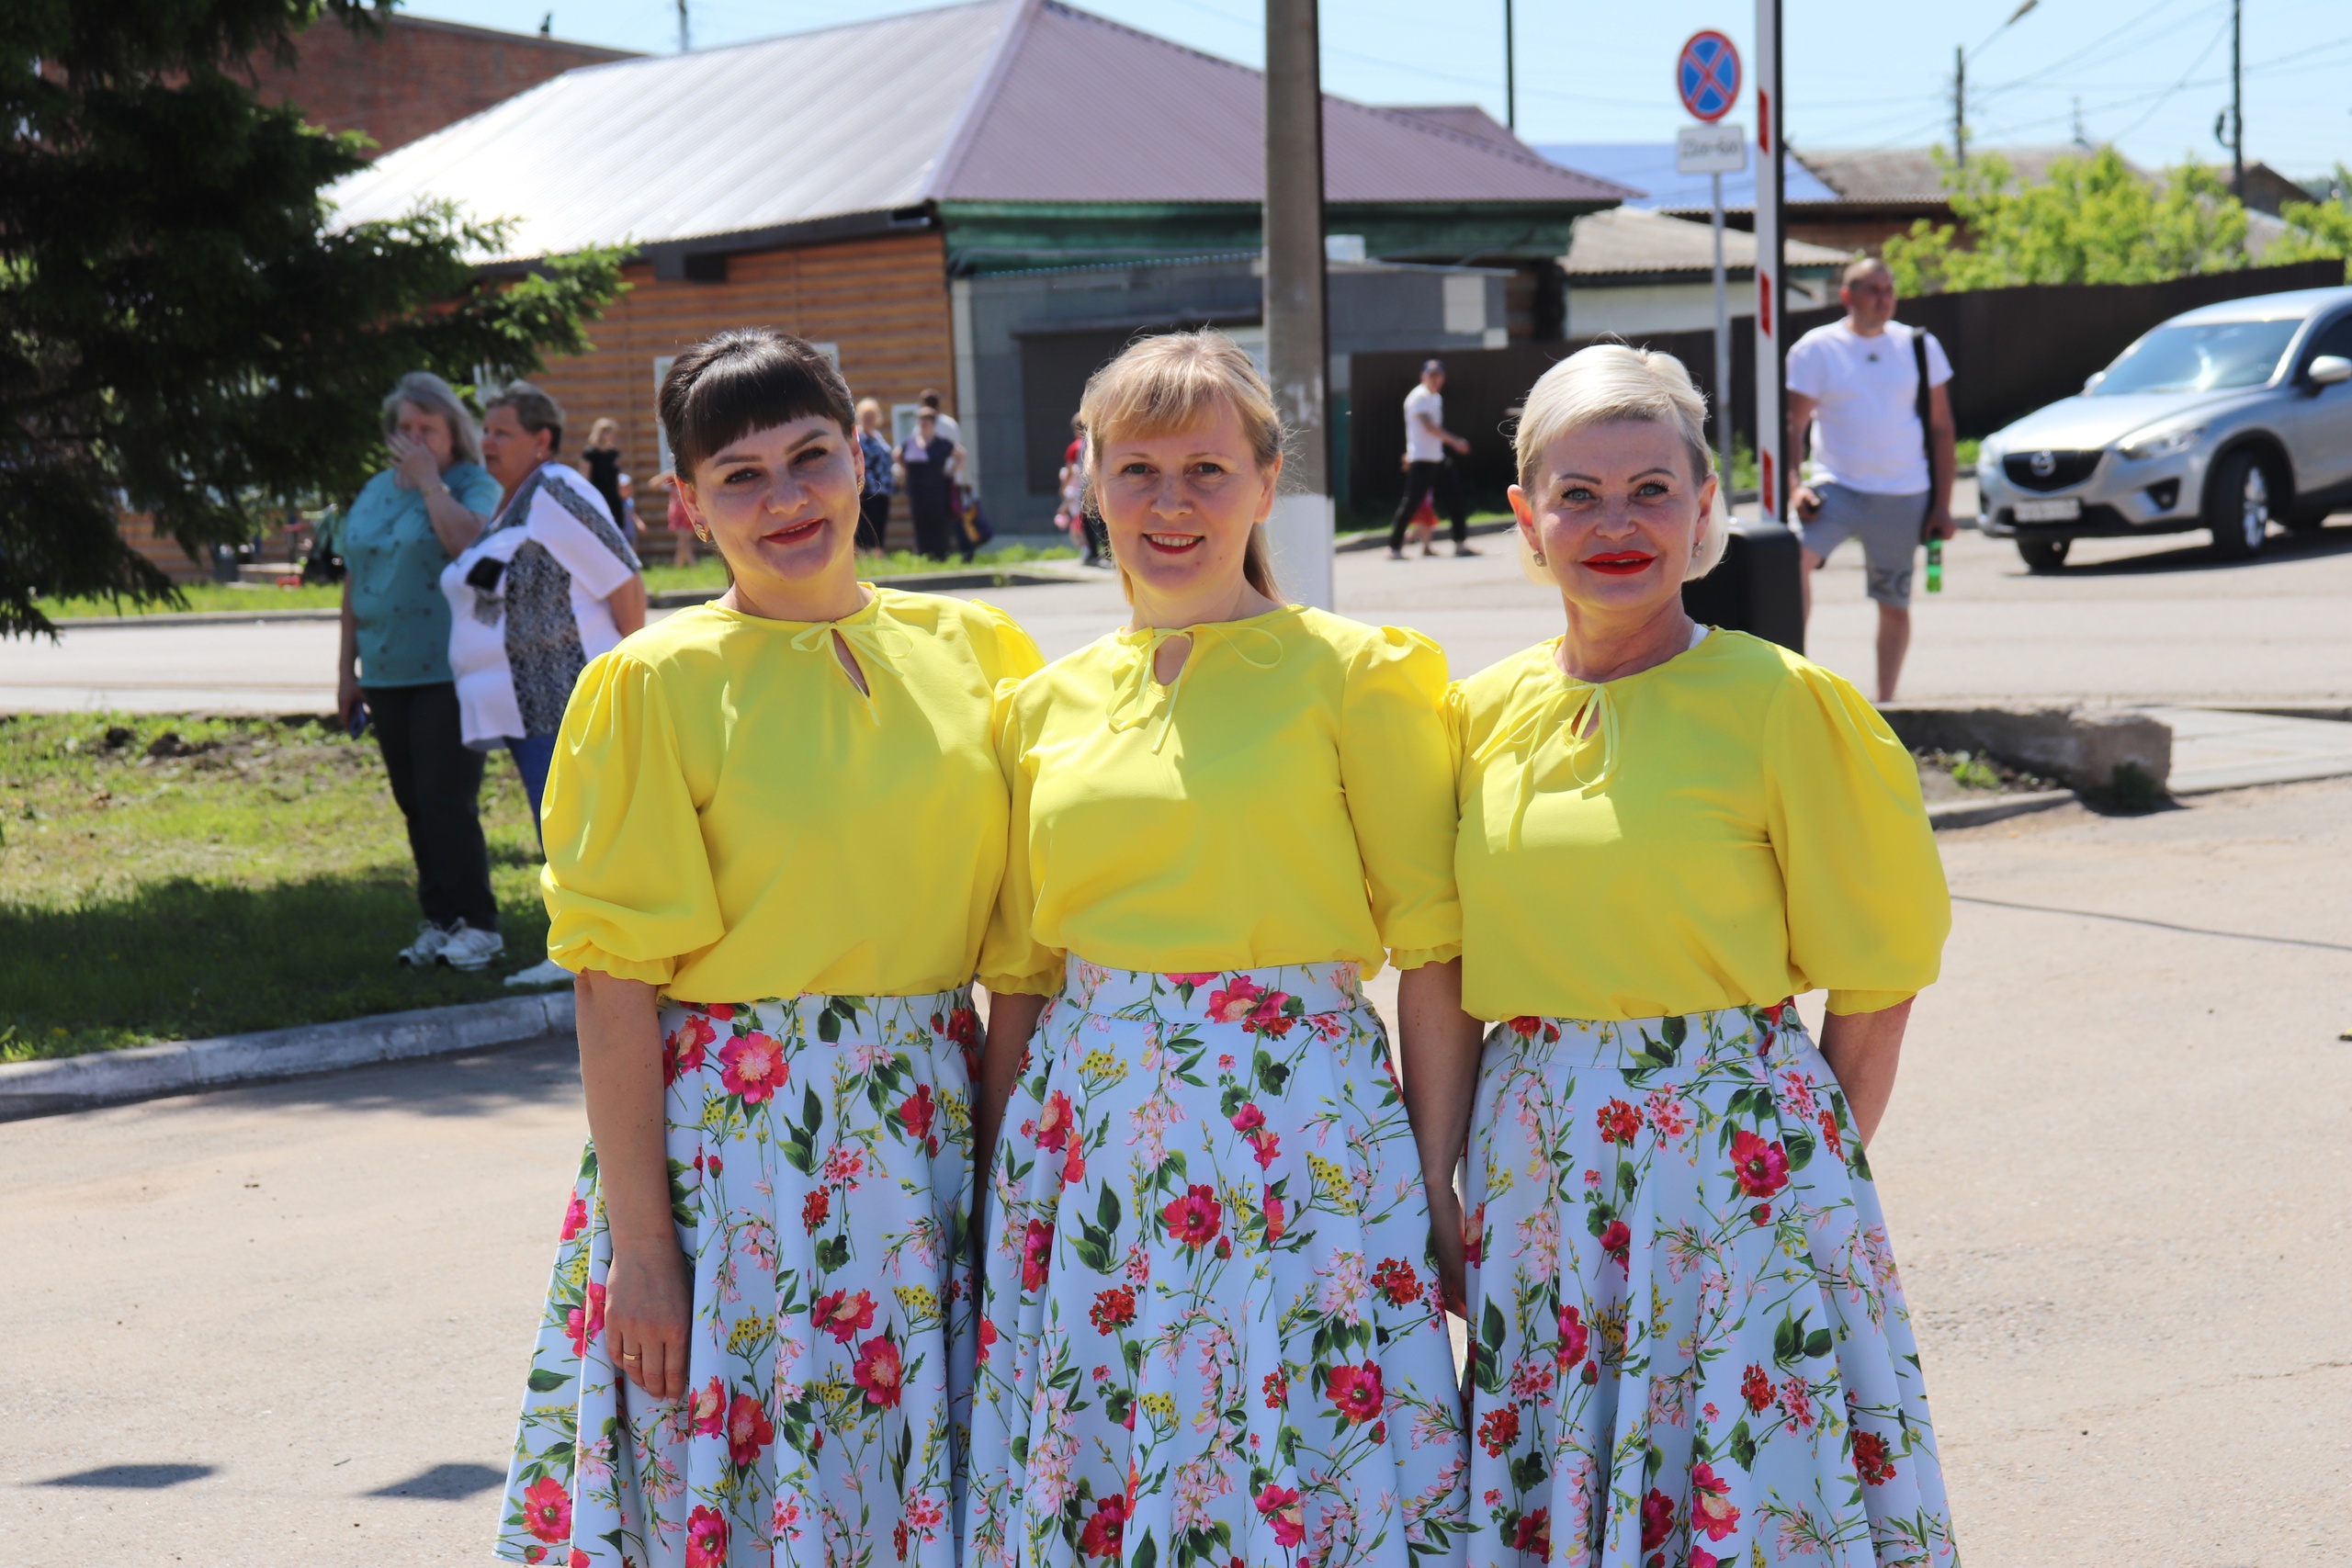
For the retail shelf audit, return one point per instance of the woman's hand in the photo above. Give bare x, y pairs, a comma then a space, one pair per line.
1863, 1049
1448, 1244
413, 464
649, 1299
347, 696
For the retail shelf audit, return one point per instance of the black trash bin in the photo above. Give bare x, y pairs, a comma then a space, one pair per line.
1757, 587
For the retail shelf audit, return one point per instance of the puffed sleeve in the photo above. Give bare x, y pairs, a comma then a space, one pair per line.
1397, 765
1005, 648
1011, 959
1868, 910
628, 881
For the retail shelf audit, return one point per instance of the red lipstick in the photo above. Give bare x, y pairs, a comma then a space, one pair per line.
1619, 563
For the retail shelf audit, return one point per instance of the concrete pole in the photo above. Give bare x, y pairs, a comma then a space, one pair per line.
1298, 344
1959, 108
2237, 107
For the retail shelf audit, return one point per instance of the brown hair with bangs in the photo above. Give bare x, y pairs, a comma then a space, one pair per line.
744, 379
1174, 381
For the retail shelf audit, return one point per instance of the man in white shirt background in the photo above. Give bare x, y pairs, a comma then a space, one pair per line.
1427, 471
1878, 475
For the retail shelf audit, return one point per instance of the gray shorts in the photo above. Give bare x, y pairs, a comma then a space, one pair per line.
1889, 528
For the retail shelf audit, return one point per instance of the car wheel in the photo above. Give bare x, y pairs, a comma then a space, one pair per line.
2043, 555
2237, 505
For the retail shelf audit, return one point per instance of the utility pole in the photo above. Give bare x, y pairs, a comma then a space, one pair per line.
686, 36
1958, 106
1510, 73
2237, 106
1297, 347
1772, 348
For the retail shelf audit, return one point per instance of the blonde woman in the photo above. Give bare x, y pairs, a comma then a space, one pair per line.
1688, 1341
1209, 1327
774, 831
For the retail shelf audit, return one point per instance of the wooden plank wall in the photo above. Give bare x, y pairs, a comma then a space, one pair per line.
884, 300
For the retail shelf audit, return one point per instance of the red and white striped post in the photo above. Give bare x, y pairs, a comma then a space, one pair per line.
1772, 480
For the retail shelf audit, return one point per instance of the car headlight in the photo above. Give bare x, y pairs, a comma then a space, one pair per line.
2162, 443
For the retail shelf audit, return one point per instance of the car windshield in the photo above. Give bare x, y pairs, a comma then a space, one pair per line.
2197, 357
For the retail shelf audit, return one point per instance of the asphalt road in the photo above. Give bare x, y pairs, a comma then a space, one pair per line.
287, 1325
2147, 620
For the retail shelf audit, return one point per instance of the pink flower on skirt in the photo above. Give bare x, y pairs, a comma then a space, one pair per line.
1237, 1001
752, 1066
546, 1509
706, 1539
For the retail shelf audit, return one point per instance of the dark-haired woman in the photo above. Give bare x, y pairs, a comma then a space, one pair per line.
775, 829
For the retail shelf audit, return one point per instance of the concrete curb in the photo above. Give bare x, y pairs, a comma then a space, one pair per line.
1976, 813
182, 1067
193, 619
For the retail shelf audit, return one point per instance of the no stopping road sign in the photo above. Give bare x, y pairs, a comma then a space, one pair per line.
1707, 76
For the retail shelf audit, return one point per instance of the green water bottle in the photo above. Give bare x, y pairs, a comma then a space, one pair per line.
1935, 565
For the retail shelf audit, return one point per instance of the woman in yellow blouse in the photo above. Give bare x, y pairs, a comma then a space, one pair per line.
1687, 1335
1209, 1330
775, 827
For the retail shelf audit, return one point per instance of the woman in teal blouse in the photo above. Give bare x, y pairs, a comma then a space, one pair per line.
406, 524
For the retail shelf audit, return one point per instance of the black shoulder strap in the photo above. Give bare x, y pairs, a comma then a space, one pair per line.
1919, 358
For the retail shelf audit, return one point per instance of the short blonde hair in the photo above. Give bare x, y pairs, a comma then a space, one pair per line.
1171, 382
1610, 382
603, 427
874, 403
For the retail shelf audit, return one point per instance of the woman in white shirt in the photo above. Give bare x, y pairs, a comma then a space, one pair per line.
551, 583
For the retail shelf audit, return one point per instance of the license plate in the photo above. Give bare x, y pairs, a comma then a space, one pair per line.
2047, 511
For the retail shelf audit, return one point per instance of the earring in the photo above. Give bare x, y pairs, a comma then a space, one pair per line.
702, 532
1539, 557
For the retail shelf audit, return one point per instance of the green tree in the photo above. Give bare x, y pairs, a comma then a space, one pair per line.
2317, 230
183, 330
2093, 219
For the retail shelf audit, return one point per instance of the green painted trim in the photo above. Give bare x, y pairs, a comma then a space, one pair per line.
998, 236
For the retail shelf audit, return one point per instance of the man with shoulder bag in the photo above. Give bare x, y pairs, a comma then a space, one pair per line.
1873, 396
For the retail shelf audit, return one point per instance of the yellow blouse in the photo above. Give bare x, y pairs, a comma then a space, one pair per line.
1735, 826
728, 817
1287, 800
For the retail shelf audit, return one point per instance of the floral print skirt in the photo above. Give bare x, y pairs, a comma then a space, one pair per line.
1687, 1342
820, 1172
1209, 1333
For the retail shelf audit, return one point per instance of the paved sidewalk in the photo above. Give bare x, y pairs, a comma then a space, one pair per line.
287, 1325
2216, 749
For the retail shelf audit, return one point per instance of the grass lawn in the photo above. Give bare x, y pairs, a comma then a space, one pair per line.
253, 875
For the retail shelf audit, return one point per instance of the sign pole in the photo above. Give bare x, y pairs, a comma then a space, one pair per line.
1723, 353
1771, 349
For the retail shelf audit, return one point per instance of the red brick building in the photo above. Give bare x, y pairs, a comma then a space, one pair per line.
414, 77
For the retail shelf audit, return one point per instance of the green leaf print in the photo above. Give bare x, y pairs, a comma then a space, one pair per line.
1270, 1075
1799, 1147
1146, 1554
832, 1253
1741, 1446
546, 1381
1675, 1030
1106, 1210
1818, 1343
829, 1027
684, 1204
1529, 1472
1789, 1345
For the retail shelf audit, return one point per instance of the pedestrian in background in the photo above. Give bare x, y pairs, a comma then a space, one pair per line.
927, 474
881, 478
1076, 517
1688, 1329
1880, 474
549, 584
395, 537
947, 425
600, 461
1429, 468
677, 522
775, 830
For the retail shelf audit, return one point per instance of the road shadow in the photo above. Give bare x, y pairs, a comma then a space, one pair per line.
444, 1484
133, 1477
541, 1072
2283, 549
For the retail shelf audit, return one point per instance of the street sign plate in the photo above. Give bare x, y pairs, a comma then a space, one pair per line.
1720, 149
1707, 76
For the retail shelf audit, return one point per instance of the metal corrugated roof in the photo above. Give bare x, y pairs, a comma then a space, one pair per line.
716, 141
1649, 166
1003, 100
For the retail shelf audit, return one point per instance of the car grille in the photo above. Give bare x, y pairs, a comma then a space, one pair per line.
2026, 468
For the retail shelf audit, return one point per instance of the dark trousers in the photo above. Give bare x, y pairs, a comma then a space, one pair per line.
1420, 479
935, 526
873, 521
436, 779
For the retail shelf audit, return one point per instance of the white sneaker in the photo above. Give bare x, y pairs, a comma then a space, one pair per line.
547, 972
469, 948
430, 939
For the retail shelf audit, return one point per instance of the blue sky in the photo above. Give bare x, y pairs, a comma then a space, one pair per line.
2149, 74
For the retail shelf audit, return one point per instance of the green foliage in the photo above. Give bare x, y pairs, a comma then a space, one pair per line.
2317, 230
181, 326
2093, 219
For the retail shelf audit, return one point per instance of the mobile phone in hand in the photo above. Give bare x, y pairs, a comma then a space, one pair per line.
359, 724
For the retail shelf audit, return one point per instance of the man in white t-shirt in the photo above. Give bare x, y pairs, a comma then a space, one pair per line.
1427, 471
1878, 475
